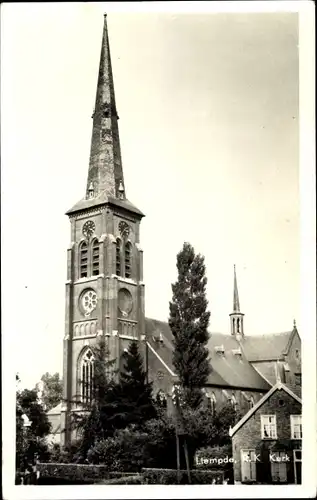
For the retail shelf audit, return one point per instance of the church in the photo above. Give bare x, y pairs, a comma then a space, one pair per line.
105, 293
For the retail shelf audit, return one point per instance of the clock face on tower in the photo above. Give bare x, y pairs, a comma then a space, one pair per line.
88, 301
124, 228
88, 228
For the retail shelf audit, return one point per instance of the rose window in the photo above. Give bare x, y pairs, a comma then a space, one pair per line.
89, 301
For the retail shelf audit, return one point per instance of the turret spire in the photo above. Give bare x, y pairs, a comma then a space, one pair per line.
236, 317
105, 167
236, 303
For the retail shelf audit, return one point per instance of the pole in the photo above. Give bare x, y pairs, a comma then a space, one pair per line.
187, 460
178, 458
146, 361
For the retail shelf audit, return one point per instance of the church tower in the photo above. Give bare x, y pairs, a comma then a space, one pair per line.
236, 317
104, 289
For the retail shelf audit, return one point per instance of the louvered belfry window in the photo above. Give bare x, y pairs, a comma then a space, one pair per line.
118, 257
83, 260
127, 260
95, 257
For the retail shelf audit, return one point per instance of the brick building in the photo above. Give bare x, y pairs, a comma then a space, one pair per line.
105, 291
267, 441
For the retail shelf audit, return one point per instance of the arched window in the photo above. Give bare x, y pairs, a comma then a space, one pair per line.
83, 260
127, 260
118, 257
161, 399
238, 325
233, 402
95, 257
87, 374
212, 402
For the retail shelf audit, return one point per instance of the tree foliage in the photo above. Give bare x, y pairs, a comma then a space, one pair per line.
30, 440
189, 320
134, 392
51, 388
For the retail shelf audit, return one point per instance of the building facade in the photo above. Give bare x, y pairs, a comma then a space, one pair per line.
267, 441
105, 292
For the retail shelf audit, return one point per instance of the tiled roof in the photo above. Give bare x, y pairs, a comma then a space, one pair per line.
235, 370
265, 347
228, 370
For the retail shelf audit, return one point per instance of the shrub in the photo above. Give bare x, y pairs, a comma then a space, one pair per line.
123, 452
169, 476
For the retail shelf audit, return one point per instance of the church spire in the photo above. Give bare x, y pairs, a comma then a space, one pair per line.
236, 317
236, 303
105, 173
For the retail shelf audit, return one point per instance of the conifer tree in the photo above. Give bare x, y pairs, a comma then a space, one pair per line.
134, 393
189, 321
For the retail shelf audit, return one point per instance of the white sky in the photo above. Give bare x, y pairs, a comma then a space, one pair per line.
209, 129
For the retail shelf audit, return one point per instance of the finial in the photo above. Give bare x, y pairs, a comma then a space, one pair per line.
105, 14
294, 323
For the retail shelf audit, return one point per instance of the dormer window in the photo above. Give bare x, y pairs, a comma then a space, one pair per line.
237, 353
220, 350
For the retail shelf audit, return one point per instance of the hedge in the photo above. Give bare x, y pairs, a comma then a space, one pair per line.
169, 476
77, 473
136, 479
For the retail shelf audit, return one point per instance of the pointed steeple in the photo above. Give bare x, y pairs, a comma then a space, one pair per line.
105, 173
105, 182
236, 317
236, 303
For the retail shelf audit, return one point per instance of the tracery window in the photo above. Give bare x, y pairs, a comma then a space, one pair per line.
87, 374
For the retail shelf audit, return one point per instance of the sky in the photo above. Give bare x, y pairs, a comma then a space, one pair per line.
209, 130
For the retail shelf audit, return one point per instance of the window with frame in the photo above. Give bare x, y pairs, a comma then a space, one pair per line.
87, 374
127, 260
251, 402
83, 260
268, 427
211, 402
296, 426
95, 257
278, 467
298, 379
118, 257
